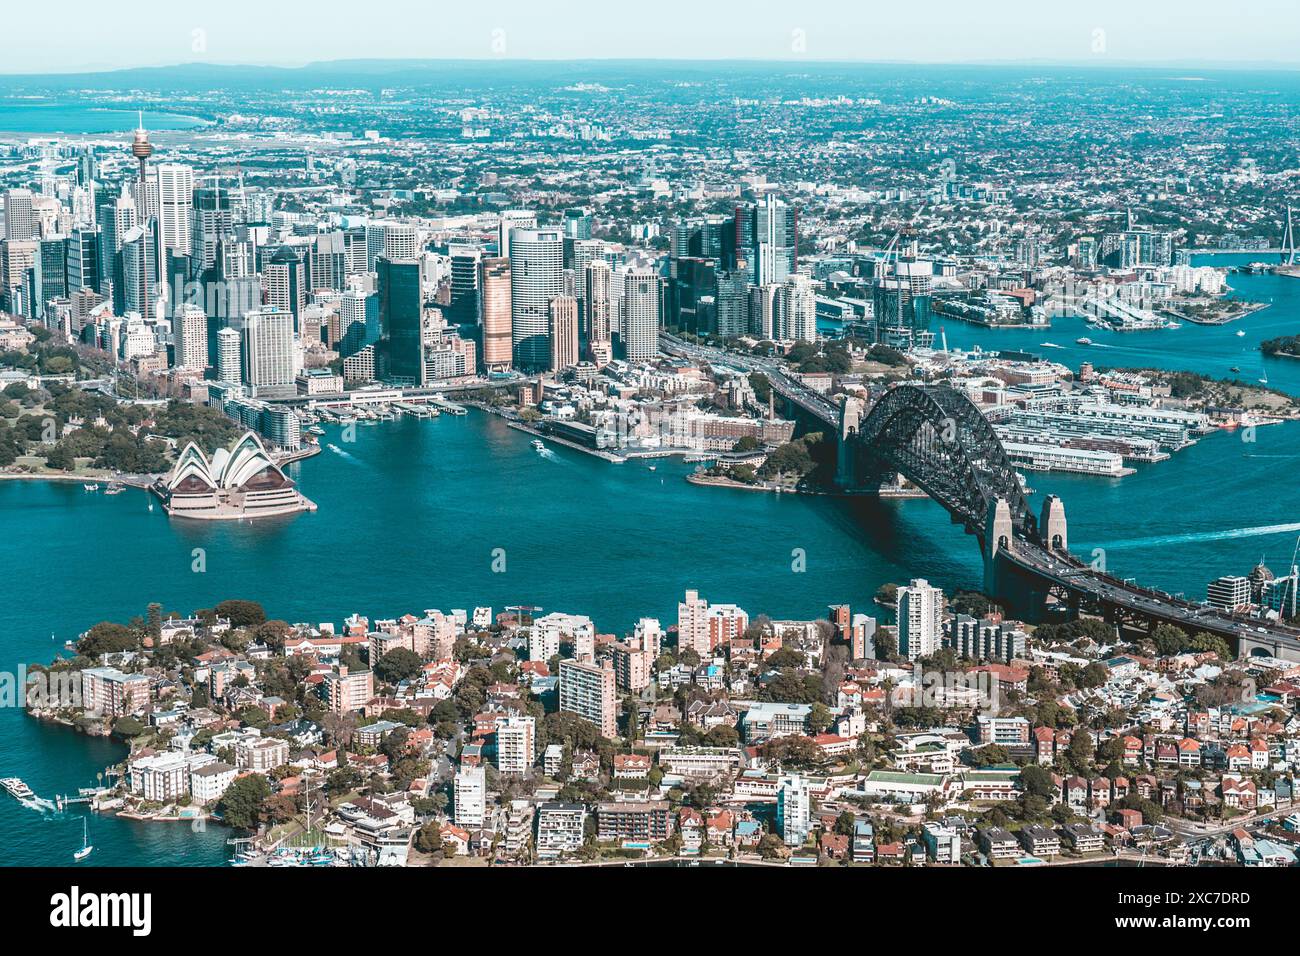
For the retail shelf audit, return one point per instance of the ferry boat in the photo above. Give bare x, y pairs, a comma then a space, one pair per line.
1083, 341
17, 789
315, 430
538, 445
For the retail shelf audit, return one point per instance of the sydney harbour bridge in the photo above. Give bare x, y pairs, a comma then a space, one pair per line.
936, 438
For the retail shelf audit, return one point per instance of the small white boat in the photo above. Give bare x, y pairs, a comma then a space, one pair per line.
652, 467
93, 486
86, 848
538, 445
1083, 341
1241, 334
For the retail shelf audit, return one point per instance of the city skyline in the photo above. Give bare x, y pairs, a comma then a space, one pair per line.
769, 462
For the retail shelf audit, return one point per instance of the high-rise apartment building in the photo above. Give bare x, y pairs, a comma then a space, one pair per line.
516, 744
589, 690
920, 619
794, 312
469, 796
793, 809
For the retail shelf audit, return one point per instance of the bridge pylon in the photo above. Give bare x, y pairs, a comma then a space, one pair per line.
998, 535
1052, 527
850, 420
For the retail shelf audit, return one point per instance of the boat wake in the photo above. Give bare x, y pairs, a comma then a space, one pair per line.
341, 453
1255, 532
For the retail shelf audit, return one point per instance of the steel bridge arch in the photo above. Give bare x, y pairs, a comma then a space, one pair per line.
935, 437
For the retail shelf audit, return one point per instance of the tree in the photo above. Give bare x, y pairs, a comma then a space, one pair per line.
1081, 750
785, 657
398, 665
241, 805
1169, 640
1036, 781
241, 613
428, 839
820, 718
128, 726
746, 443
107, 638
1206, 642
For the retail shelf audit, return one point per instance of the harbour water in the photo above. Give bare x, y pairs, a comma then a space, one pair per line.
25, 115
413, 512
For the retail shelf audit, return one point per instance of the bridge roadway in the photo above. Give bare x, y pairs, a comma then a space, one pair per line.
1080, 584
1095, 591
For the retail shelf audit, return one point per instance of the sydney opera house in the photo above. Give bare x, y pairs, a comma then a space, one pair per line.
239, 482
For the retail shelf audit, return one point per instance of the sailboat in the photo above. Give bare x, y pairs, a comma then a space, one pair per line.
86, 848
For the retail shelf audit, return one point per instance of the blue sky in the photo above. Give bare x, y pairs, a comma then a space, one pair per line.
83, 34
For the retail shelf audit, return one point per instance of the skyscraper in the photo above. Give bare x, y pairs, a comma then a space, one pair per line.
401, 308
190, 335
83, 260
772, 240
139, 254
286, 282
920, 619
597, 303
401, 241
495, 313
211, 224
513, 219
564, 332
175, 185
794, 312
20, 220
642, 306
536, 277
228, 357
268, 353
463, 309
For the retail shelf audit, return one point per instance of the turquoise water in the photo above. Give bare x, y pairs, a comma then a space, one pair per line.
411, 512
23, 116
